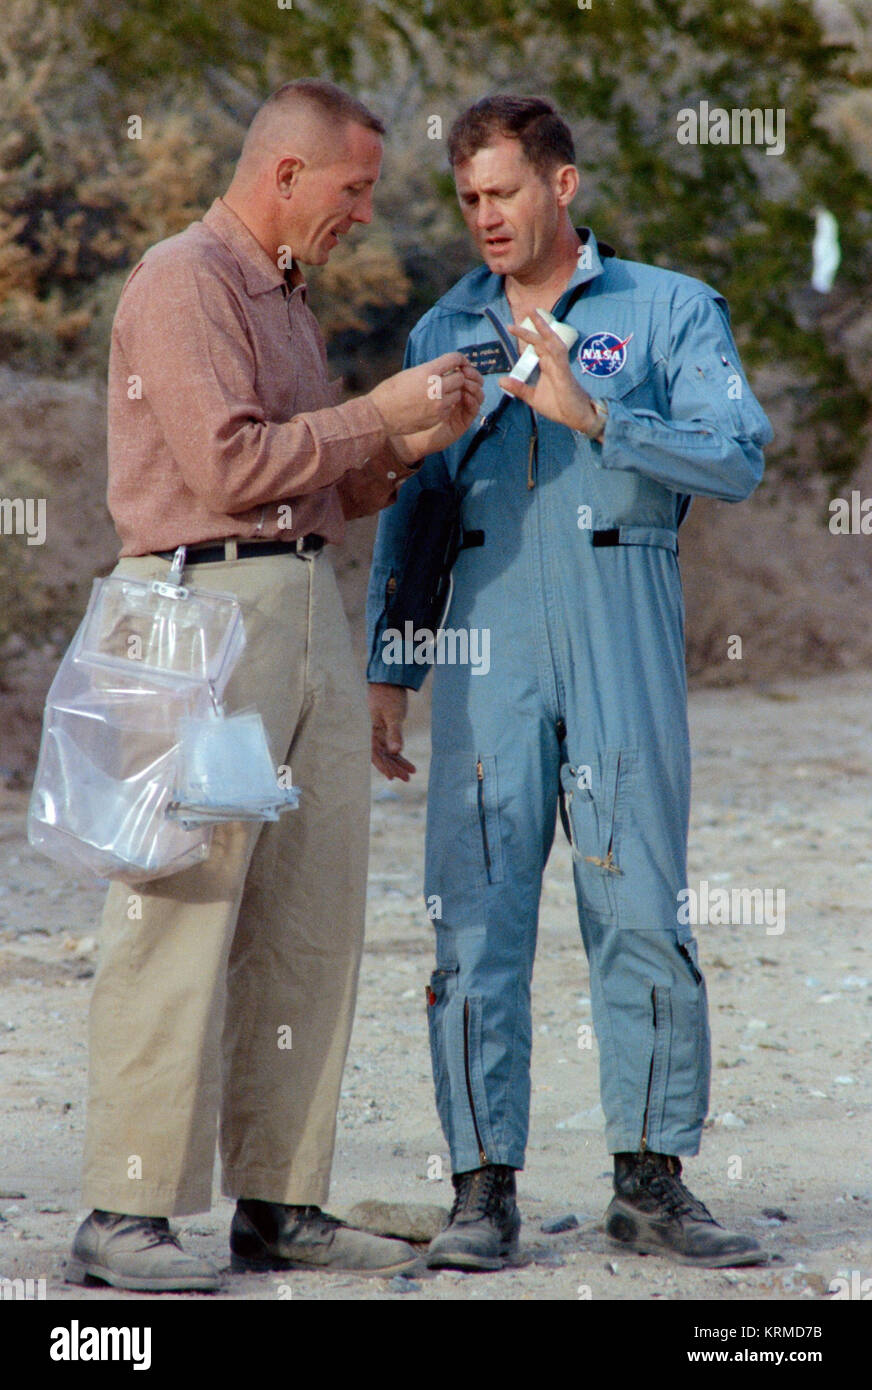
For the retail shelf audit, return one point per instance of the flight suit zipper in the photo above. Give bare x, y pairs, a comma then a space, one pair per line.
531, 476
481, 1153
643, 1143
482, 819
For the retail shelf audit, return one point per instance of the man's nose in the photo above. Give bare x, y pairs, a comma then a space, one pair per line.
489, 217
362, 211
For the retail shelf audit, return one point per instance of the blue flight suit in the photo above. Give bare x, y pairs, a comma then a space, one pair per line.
583, 704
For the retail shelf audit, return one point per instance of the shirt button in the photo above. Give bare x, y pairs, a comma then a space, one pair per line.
392, 475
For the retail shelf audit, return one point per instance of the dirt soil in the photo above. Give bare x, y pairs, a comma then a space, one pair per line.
782, 799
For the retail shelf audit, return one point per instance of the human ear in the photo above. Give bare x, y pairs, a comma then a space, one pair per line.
287, 174
566, 181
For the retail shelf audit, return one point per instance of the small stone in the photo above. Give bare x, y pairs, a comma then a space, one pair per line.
729, 1121
401, 1285
7, 1195
559, 1224
843, 1080
414, 1221
776, 1214
612, 1266
550, 1258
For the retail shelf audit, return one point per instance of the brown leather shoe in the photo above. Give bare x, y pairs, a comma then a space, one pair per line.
136, 1252
270, 1235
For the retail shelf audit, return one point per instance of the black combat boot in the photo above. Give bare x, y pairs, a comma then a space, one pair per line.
653, 1213
483, 1228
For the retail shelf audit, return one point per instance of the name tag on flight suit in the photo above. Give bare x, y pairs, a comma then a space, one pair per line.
487, 357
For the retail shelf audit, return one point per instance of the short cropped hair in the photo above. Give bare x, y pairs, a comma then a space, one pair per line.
334, 103
545, 137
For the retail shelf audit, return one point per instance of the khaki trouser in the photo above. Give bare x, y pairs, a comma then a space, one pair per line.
193, 1000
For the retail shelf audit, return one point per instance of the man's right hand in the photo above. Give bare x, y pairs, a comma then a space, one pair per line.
387, 707
428, 395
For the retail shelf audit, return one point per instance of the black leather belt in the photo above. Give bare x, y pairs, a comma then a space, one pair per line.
248, 550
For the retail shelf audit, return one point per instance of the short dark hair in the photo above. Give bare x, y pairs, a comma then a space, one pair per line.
545, 137
330, 99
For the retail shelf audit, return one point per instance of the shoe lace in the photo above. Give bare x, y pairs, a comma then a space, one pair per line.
157, 1232
310, 1216
671, 1192
474, 1194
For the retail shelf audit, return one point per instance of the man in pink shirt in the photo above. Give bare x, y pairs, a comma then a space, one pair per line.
225, 436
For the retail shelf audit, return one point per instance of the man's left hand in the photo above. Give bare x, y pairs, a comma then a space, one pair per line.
556, 394
412, 447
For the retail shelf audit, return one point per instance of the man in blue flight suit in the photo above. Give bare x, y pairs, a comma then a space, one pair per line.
571, 495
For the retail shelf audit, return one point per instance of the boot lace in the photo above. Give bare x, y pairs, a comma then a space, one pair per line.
314, 1216
670, 1192
157, 1232
475, 1193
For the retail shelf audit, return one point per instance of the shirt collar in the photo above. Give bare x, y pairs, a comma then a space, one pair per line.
259, 272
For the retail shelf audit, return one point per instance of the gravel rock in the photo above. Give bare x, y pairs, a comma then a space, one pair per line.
558, 1224
415, 1221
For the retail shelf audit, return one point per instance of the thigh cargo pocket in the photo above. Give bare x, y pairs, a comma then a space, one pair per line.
595, 802
464, 838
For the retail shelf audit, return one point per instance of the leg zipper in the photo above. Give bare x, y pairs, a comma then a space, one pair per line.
644, 1142
481, 1153
482, 819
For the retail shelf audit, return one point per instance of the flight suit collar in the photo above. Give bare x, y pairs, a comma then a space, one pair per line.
483, 289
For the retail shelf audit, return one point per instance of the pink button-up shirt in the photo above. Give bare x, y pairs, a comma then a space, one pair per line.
222, 421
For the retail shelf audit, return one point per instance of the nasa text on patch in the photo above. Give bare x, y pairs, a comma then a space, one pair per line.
602, 354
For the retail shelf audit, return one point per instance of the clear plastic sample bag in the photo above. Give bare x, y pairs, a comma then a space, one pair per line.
146, 657
226, 772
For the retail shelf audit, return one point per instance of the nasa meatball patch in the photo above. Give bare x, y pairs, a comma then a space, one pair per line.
603, 354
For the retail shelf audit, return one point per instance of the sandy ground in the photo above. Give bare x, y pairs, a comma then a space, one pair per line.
782, 799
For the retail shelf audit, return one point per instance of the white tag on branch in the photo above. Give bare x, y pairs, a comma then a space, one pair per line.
825, 250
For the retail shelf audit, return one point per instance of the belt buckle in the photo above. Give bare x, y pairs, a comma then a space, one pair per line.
303, 550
